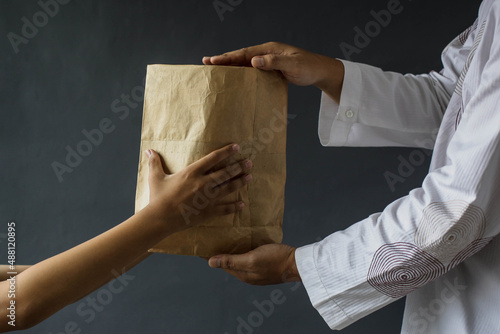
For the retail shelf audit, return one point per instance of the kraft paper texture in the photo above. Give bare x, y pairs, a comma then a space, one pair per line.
191, 110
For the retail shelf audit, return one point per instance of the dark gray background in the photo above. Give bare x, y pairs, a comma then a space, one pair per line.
64, 81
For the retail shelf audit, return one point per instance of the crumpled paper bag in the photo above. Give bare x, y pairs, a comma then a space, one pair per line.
191, 110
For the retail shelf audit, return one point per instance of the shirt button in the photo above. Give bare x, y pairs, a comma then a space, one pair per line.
349, 113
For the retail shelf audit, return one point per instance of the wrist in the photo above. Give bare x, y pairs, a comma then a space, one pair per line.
331, 77
293, 272
162, 222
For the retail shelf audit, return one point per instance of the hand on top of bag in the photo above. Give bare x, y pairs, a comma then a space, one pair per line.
298, 66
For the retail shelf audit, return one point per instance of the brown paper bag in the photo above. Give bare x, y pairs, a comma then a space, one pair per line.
191, 110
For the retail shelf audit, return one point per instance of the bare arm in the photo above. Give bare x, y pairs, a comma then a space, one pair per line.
52, 284
4, 269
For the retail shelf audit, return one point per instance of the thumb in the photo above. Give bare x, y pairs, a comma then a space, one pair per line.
232, 262
272, 62
155, 167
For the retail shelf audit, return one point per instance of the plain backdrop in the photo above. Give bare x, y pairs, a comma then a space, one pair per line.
64, 80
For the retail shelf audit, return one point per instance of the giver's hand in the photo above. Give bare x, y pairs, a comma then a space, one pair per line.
298, 66
196, 193
268, 264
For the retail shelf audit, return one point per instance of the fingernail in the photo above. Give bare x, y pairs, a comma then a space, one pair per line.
248, 178
259, 61
148, 153
241, 205
215, 263
248, 164
236, 147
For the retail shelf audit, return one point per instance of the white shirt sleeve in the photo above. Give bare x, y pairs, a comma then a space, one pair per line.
419, 237
390, 109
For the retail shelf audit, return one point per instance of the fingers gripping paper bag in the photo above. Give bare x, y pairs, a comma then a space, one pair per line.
191, 110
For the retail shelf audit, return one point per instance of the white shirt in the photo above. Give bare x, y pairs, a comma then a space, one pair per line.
437, 245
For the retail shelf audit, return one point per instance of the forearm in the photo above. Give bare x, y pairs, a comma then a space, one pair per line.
4, 269
379, 108
88, 266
